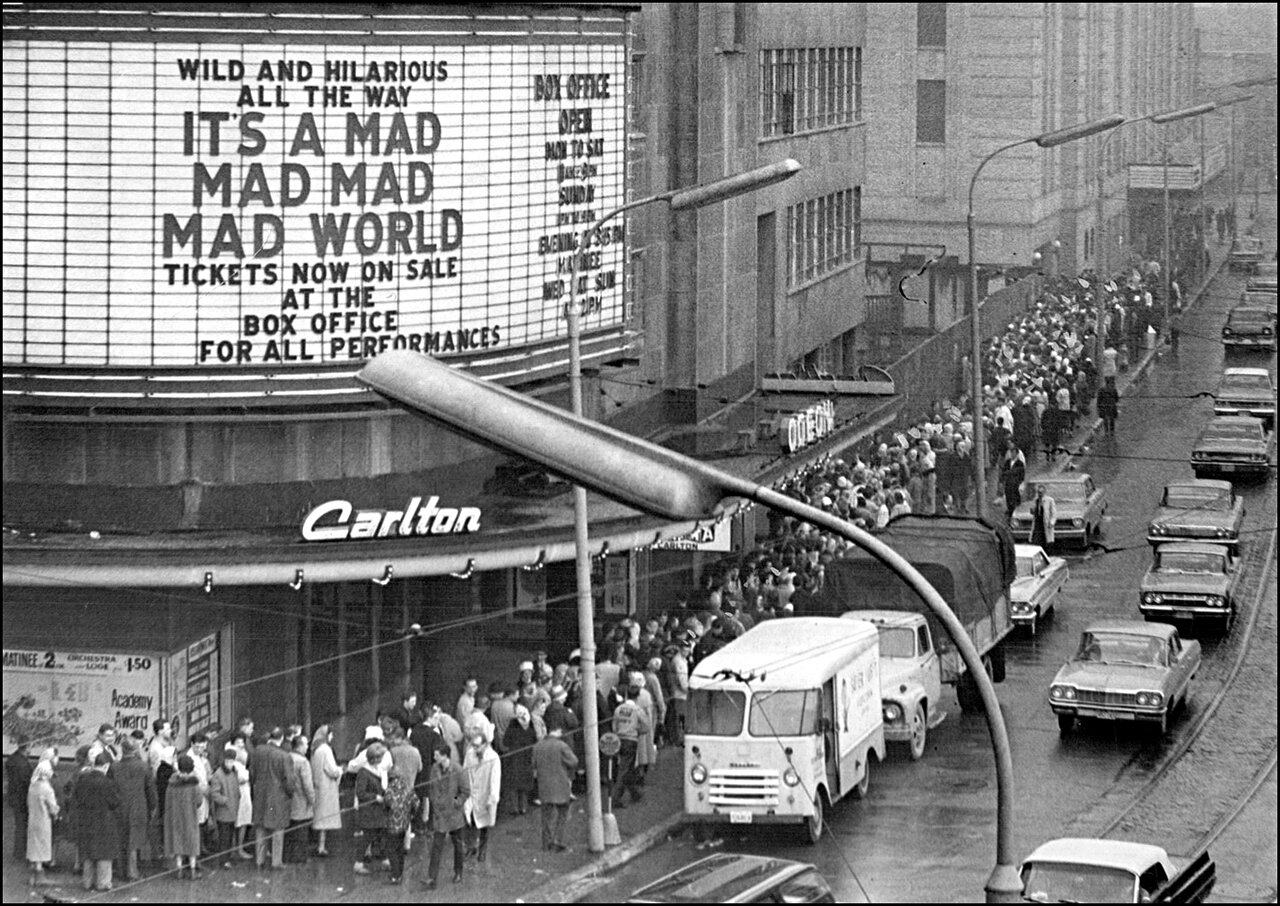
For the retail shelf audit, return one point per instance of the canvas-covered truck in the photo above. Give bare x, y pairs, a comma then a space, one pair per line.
971, 562
783, 722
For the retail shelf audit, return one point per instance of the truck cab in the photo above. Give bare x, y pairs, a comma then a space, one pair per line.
910, 677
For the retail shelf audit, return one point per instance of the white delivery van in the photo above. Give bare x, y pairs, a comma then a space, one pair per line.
782, 722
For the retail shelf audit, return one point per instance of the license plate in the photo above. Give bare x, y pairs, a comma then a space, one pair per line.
1227, 467
1180, 614
739, 817
1105, 715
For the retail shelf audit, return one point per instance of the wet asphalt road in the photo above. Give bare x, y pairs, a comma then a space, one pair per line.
927, 831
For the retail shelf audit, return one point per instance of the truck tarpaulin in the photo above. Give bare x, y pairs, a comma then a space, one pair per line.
970, 562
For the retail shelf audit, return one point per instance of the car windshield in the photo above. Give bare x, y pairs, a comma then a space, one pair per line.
790, 712
897, 641
1235, 431
1266, 270
1188, 562
716, 712
1065, 490
1245, 383
1249, 316
1197, 499
713, 880
1121, 648
1026, 567
1052, 882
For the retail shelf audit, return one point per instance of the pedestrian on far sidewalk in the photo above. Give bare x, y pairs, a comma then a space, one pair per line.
1109, 405
554, 765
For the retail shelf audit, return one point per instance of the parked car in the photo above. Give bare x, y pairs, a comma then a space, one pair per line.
1263, 278
1089, 870
1128, 671
1260, 299
1246, 251
1247, 391
1232, 445
739, 878
1040, 578
1249, 326
1191, 581
1199, 509
1080, 506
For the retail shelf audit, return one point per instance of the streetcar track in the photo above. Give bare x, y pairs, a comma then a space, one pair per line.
1205, 715
1259, 778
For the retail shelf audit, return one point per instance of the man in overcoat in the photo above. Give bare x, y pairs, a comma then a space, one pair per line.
271, 781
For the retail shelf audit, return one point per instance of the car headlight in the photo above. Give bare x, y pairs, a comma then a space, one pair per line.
1215, 600
892, 713
790, 777
1077, 522
1226, 331
1196, 454
1021, 606
1266, 331
1149, 699
1158, 530
1065, 693
1221, 533
1152, 598
698, 774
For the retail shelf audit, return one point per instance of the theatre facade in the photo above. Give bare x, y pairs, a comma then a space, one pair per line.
213, 218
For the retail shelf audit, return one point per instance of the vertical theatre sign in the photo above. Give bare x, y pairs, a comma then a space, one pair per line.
184, 198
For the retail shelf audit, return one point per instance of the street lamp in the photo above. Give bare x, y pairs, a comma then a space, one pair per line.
1044, 140
1161, 119
679, 200
667, 484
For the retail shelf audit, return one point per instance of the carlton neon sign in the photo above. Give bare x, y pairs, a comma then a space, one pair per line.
338, 520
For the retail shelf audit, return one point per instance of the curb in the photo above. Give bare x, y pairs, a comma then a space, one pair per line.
565, 888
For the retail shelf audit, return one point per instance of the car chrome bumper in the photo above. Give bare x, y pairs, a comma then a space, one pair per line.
1184, 611
1229, 465
1105, 713
1019, 619
1252, 411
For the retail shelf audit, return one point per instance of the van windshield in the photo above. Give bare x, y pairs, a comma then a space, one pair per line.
716, 712
790, 712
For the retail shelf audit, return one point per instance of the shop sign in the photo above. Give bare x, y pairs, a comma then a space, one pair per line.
194, 692
713, 537
803, 428
337, 520
60, 698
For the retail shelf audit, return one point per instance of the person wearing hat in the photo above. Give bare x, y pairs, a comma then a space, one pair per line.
42, 811
517, 769
501, 711
97, 807
554, 765
677, 665
18, 772
370, 810
137, 788
484, 770
224, 793
630, 723
658, 710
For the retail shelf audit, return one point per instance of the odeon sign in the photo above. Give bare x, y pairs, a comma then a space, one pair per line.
337, 520
803, 428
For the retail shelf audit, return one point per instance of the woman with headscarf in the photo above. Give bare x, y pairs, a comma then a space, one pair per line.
244, 811
484, 771
646, 751
42, 810
370, 806
182, 798
518, 743
326, 775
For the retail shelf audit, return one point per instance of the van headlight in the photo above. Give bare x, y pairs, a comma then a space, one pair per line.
698, 774
1077, 522
892, 713
790, 777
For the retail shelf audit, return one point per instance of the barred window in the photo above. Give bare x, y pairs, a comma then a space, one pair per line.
809, 88
823, 234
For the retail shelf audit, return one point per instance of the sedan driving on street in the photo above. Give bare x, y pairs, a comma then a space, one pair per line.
1246, 252
1247, 391
1034, 591
1079, 504
1232, 445
1198, 510
1263, 278
1127, 671
1191, 581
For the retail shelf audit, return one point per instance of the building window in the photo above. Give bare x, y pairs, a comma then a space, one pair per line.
931, 25
931, 111
823, 234
809, 88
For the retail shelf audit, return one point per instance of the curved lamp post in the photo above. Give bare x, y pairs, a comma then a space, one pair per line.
667, 484
1044, 140
679, 200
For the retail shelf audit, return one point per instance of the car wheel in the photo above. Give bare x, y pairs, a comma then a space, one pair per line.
1159, 727
1087, 541
860, 790
996, 664
1065, 723
816, 822
1035, 621
919, 733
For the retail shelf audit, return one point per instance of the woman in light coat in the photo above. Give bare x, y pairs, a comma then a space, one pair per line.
42, 808
325, 774
484, 771
244, 811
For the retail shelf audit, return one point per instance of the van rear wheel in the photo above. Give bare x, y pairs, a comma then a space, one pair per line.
860, 789
816, 822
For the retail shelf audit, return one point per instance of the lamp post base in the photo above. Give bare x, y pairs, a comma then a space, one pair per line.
1004, 885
